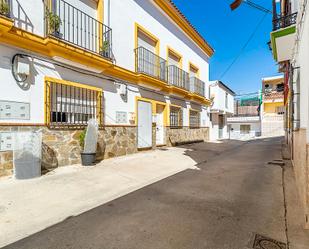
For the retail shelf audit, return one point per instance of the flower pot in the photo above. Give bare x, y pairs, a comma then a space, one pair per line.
104, 54
57, 34
88, 159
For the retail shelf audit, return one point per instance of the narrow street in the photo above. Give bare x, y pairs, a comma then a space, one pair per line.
233, 196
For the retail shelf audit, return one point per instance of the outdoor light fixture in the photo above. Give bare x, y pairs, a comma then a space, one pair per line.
237, 3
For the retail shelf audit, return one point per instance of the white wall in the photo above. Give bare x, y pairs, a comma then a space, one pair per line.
219, 93
235, 130
123, 16
301, 60
33, 91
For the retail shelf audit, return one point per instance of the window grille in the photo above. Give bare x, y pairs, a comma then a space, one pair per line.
280, 110
72, 106
176, 117
194, 119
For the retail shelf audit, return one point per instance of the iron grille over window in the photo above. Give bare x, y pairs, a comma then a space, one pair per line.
176, 117
194, 119
70, 24
149, 63
72, 106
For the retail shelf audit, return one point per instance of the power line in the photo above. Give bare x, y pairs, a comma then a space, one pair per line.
244, 46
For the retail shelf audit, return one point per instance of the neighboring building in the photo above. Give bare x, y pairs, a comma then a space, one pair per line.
138, 67
272, 108
246, 121
223, 107
289, 42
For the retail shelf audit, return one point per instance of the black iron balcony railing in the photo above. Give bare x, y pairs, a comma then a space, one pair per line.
284, 21
5, 8
68, 23
197, 86
149, 63
178, 77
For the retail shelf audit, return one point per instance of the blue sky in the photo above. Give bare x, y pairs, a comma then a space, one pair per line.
227, 32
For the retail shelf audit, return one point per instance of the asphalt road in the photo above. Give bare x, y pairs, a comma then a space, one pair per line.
234, 195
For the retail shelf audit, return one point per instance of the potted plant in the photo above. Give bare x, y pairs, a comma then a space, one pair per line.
54, 23
104, 49
4, 8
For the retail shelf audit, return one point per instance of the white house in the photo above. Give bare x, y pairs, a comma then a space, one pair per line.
246, 121
137, 66
222, 107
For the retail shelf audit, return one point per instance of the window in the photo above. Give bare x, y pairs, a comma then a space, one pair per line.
174, 58
176, 117
193, 71
245, 129
226, 100
72, 104
280, 87
194, 119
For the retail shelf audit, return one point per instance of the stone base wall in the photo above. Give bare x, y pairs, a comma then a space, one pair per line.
301, 170
186, 134
61, 147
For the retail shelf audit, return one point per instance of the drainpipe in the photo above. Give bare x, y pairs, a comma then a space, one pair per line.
108, 12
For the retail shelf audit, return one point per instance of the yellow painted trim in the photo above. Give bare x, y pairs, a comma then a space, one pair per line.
71, 83
154, 104
48, 80
184, 25
196, 68
152, 37
100, 11
172, 51
50, 47
169, 118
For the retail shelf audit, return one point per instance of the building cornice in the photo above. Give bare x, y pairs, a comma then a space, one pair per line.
51, 47
175, 14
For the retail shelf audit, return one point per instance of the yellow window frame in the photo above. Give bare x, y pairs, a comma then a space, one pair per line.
47, 99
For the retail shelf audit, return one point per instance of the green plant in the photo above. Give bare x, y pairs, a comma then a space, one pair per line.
82, 138
54, 22
105, 46
4, 8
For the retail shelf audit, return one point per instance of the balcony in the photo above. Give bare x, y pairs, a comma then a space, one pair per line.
284, 21
5, 8
197, 86
66, 22
178, 77
283, 37
150, 64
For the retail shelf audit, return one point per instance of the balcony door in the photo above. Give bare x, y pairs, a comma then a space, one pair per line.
148, 59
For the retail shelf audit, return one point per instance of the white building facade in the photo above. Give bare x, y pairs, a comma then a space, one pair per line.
138, 67
222, 107
246, 121
289, 41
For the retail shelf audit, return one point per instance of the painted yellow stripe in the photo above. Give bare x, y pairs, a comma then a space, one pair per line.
70, 83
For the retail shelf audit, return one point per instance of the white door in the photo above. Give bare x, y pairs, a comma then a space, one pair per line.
160, 125
144, 124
